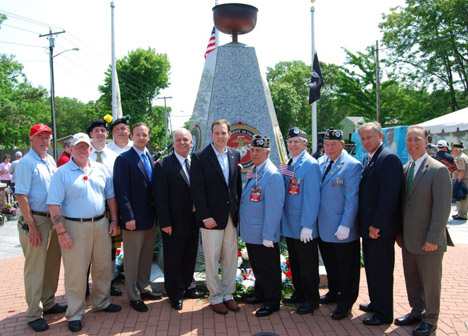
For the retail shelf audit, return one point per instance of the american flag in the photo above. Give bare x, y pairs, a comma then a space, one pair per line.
211, 43
251, 174
286, 170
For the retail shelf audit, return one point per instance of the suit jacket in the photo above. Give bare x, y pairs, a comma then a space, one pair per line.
261, 220
210, 193
427, 207
339, 194
133, 190
172, 196
380, 194
301, 210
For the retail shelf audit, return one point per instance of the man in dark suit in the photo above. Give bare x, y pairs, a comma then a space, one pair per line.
176, 216
132, 184
426, 208
216, 184
379, 221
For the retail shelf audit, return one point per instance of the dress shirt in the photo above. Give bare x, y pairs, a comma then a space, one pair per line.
182, 163
107, 158
417, 163
113, 147
223, 162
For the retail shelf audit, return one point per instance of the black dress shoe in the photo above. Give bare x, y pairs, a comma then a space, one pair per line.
368, 308
39, 325
266, 310
375, 321
75, 325
150, 296
293, 299
58, 308
423, 329
306, 308
328, 298
176, 304
407, 320
139, 306
112, 308
459, 218
115, 291
340, 313
192, 293
253, 300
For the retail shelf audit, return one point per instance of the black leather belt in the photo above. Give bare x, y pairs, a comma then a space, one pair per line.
94, 219
39, 213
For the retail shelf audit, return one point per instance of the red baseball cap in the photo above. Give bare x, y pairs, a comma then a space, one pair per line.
39, 128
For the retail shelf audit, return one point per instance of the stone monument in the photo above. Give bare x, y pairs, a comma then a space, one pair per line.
232, 88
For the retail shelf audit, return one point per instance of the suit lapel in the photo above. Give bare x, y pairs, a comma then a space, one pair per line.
232, 163
179, 168
419, 175
334, 169
214, 160
140, 164
367, 168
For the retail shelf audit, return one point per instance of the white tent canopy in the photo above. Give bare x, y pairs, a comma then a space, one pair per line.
449, 123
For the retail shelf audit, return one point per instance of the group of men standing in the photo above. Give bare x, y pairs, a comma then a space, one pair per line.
324, 205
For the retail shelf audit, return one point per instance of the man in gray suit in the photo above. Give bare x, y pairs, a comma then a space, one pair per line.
426, 208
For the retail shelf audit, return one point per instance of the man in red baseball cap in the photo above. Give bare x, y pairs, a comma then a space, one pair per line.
37, 237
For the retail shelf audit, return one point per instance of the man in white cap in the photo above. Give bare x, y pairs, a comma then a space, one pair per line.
18, 156
461, 176
443, 156
77, 196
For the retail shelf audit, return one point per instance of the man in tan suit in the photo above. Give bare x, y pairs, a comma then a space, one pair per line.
426, 208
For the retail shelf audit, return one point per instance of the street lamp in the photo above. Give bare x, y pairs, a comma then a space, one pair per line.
52, 91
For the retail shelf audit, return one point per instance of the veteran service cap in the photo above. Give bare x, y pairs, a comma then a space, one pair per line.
333, 134
261, 141
296, 132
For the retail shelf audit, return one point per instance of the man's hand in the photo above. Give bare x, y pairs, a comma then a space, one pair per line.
210, 223
306, 235
267, 243
342, 233
65, 241
113, 229
374, 232
35, 237
167, 229
131, 225
428, 247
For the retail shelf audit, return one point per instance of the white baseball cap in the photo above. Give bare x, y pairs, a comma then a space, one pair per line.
442, 143
18, 153
80, 137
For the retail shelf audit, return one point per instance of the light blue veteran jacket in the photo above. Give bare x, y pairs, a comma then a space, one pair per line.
261, 220
339, 194
301, 210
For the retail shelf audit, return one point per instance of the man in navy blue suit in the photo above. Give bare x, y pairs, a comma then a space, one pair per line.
379, 221
133, 170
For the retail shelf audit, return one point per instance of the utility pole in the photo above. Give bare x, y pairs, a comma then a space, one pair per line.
52, 89
165, 118
377, 80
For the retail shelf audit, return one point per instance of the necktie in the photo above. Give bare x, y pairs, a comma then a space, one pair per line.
368, 160
187, 166
330, 164
409, 180
290, 162
99, 157
145, 160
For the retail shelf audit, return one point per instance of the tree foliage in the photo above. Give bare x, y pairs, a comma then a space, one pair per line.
428, 45
142, 74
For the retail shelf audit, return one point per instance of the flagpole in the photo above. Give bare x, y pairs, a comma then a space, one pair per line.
114, 70
216, 31
314, 104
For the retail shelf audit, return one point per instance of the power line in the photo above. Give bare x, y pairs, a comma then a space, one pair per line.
19, 17
26, 30
22, 44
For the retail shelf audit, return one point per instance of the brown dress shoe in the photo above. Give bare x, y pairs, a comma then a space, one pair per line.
232, 305
219, 308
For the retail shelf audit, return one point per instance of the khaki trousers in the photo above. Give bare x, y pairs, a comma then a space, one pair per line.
462, 207
41, 268
138, 259
220, 246
91, 245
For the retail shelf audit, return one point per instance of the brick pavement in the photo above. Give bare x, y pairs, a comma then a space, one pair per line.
198, 319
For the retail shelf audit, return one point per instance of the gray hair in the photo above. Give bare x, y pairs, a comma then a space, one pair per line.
181, 130
66, 143
374, 125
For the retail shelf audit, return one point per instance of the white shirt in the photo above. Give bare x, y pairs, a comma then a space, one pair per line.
107, 156
417, 163
223, 162
182, 163
113, 147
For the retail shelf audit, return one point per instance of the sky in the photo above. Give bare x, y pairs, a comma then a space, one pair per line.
181, 30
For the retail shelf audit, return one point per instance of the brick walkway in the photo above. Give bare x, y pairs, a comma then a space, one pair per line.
198, 319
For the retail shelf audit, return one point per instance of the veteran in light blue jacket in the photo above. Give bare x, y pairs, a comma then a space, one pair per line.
339, 239
299, 221
260, 216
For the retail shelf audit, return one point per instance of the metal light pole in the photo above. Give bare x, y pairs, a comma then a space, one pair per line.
314, 104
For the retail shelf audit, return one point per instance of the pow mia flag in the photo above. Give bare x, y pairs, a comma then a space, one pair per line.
316, 81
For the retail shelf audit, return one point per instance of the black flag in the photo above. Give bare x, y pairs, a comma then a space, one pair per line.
316, 81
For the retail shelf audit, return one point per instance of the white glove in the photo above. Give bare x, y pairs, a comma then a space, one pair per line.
306, 235
267, 243
342, 233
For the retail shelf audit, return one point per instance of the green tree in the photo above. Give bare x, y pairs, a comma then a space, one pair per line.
428, 45
73, 116
142, 74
